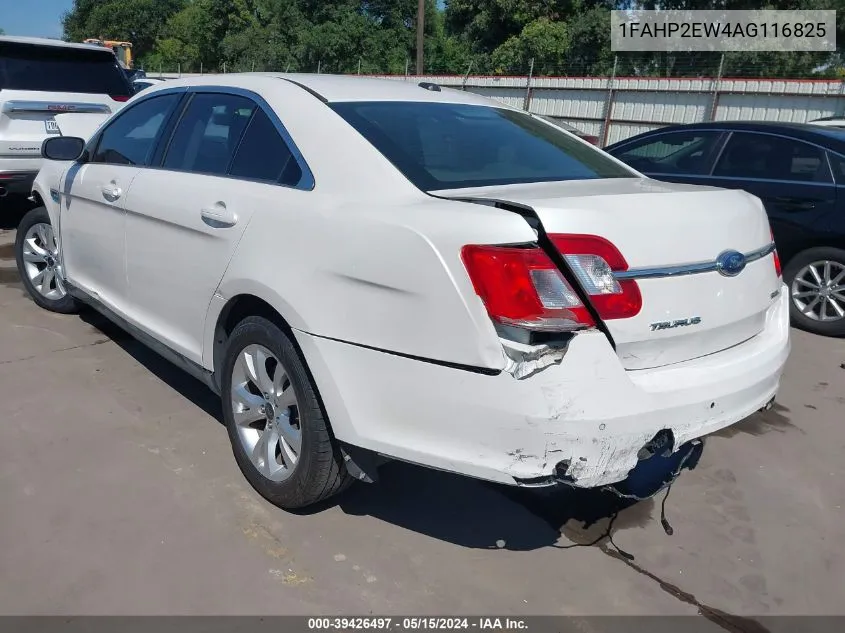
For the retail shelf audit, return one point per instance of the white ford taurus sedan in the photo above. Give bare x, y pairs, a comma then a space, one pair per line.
368, 269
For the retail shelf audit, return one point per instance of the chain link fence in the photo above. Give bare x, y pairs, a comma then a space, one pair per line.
636, 93
688, 65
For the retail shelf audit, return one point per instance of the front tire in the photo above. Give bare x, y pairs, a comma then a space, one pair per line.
816, 280
279, 434
40, 265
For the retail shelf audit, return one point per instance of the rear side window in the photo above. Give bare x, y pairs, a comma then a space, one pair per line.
61, 69
130, 138
768, 157
452, 146
264, 155
672, 153
208, 134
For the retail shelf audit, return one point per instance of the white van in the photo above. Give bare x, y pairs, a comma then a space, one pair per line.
42, 78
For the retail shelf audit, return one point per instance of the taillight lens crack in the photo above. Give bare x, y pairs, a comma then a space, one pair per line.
522, 287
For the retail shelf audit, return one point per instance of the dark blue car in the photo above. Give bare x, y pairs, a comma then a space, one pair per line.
797, 170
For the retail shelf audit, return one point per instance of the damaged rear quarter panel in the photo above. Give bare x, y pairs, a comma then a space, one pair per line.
385, 274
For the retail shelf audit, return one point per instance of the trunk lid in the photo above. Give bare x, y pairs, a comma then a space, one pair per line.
25, 120
665, 225
40, 80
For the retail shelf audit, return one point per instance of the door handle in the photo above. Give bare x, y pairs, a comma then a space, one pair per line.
795, 204
112, 192
218, 216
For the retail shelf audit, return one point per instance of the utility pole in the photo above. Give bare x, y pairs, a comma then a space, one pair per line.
526, 103
420, 35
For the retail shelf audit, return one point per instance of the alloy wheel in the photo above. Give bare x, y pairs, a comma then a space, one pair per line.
41, 261
818, 290
266, 412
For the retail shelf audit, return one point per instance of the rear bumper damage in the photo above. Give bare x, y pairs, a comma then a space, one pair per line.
581, 418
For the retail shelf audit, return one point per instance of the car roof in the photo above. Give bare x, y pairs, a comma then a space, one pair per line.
341, 88
830, 137
43, 41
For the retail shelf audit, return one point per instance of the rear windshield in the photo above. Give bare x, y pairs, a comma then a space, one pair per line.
60, 69
453, 146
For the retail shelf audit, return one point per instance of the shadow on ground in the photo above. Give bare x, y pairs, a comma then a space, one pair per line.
186, 385
451, 508
479, 515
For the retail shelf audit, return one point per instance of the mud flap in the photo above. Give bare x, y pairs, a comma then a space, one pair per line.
655, 471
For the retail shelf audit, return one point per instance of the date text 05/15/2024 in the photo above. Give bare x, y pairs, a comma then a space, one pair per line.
417, 623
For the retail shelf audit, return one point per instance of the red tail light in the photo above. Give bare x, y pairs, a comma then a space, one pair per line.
591, 139
119, 97
777, 259
522, 287
594, 260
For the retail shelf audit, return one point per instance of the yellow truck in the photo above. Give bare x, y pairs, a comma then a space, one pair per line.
123, 50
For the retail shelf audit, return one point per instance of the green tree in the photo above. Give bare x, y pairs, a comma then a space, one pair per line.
265, 38
542, 41
137, 21
75, 21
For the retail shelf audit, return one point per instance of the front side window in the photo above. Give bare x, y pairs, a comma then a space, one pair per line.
451, 146
131, 137
672, 153
768, 157
207, 136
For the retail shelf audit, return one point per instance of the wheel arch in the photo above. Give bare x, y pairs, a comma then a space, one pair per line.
233, 310
41, 198
225, 313
794, 250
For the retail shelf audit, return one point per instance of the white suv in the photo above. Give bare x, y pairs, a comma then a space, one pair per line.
39, 79
365, 268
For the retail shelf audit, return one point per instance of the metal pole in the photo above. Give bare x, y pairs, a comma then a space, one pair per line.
359, 65
319, 65
200, 68
608, 104
287, 69
466, 76
253, 65
179, 66
407, 63
420, 35
714, 105
527, 102
224, 68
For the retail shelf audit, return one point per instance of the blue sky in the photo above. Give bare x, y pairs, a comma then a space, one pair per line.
38, 18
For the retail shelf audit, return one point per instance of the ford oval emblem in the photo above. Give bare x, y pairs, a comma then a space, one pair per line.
730, 263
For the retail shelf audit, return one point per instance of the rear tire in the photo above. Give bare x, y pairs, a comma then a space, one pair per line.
279, 434
816, 281
39, 263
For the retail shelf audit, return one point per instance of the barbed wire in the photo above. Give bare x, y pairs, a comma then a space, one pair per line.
702, 65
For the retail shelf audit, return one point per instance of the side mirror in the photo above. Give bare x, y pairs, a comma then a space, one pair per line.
62, 148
